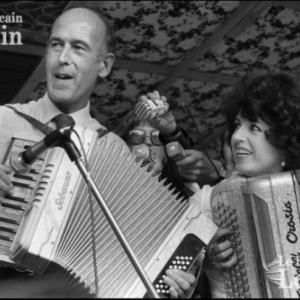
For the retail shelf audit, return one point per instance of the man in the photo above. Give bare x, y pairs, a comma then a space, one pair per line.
80, 50
77, 53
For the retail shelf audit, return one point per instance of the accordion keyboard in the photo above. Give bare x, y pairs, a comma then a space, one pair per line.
236, 279
13, 206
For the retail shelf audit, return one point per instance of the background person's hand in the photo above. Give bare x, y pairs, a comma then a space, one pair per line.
164, 123
196, 167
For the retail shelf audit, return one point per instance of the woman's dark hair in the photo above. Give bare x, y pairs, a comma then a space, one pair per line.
275, 98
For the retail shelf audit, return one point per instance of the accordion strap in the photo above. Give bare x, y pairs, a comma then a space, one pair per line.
45, 128
34, 122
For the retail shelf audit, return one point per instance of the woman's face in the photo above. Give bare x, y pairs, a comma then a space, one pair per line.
252, 153
143, 141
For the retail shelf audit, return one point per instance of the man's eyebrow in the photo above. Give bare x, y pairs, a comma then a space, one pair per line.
73, 42
54, 38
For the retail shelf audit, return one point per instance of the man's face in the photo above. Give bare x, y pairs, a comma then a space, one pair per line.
73, 58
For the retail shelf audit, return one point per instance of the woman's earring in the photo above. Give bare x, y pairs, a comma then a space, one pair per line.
283, 164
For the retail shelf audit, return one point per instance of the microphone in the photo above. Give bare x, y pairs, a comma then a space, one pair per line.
150, 109
21, 162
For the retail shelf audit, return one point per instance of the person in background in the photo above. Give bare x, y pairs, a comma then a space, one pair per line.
148, 139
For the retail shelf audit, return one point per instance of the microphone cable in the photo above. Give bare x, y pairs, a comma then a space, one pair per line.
185, 107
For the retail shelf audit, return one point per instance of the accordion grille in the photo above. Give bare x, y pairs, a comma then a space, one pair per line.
143, 207
264, 221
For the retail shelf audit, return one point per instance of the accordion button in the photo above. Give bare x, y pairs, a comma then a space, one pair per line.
242, 266
226, 276
218, 223
233, 218
239, 249
236, 233
246, 287
240, 257
220, 204
240, 284
223, 219
216, 215
234, 226
247, 295
227, 214
215, 209
244, 280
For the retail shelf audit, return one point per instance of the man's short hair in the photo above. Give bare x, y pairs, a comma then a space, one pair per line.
110, 37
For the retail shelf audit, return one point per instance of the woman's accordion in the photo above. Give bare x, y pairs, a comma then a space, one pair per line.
263, 214
48, 226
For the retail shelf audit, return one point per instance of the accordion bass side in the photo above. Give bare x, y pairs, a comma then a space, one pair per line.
264, 215
54, 238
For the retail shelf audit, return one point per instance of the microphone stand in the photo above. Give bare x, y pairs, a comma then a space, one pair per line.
76, 157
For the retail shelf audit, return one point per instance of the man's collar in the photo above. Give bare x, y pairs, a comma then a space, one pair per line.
49, 110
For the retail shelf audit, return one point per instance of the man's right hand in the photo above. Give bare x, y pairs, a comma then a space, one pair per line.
6, 185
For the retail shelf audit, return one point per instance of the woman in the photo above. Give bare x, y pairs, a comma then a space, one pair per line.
263, 116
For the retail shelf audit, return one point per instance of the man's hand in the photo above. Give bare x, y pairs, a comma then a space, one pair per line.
220, 251
165, 123
6, 185
182, 284
196, 167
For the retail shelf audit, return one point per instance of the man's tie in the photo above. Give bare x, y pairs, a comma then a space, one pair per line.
62, 121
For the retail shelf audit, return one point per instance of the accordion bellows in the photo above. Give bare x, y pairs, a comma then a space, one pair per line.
55, 235
263, 214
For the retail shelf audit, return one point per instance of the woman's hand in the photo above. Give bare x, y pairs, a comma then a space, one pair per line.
220, 251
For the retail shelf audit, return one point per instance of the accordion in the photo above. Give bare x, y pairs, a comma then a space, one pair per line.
263, 214
48, 229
